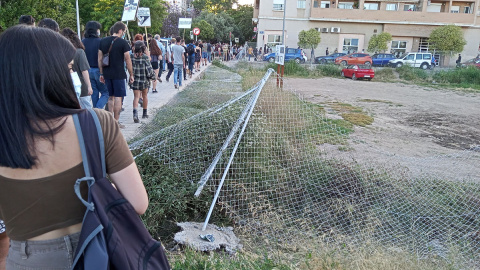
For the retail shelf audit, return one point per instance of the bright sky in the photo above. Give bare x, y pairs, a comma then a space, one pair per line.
245, 2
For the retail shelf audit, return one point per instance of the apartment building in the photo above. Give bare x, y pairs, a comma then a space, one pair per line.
348, 25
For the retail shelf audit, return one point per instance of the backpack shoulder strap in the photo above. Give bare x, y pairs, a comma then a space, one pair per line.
93, 153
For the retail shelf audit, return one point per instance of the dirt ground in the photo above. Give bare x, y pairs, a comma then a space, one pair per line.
417, 125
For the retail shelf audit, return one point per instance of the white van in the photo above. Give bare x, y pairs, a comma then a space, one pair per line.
421, 60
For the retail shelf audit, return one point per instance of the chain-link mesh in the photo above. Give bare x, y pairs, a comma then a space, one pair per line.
292, 177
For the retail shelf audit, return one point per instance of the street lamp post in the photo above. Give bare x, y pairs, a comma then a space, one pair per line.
283, 29
78, 21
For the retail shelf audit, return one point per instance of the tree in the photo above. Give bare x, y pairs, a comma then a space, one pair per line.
309, 39
447, 39
206, 30
379, 42
223, 24
243, 20
213, 6
62, 11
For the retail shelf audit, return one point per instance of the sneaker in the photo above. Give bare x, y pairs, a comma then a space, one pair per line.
176, 86
140, 101
167, 79
145, 116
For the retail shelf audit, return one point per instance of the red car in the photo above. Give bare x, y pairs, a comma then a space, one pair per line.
472, 62
358, 72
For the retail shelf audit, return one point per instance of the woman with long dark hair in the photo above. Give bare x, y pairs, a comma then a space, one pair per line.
40, 156
81, 66
155, 57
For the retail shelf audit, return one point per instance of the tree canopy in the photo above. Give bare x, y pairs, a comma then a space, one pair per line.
222, 24
243, 20
206, 30
62, 11
309, 39
448, 39
379, 42
213, 6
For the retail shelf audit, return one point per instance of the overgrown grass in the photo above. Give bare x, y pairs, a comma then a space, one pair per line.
411, 74
332, 200
330, 70
385, 75
352, 114
462, 77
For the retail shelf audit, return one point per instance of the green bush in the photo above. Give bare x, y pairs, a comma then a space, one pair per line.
412, 74
330, 70
465, 77
384, 74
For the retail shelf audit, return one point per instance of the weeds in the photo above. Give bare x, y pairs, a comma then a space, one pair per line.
463, 77
412, 74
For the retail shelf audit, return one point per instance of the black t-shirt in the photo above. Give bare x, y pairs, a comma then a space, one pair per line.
91, 50
116, 69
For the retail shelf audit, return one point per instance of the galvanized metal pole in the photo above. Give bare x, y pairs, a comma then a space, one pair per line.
78, 21
283, 29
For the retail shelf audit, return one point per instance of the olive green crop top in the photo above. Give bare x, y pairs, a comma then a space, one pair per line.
33, 207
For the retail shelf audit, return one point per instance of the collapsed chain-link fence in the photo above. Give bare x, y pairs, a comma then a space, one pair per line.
292, 176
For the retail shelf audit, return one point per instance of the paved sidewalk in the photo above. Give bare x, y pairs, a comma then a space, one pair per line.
166, 91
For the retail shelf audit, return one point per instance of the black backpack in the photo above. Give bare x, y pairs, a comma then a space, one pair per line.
113, 236
190, 49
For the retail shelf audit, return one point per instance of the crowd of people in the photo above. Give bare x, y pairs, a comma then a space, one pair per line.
48, 75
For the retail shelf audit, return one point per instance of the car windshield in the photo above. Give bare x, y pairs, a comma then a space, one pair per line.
403, 55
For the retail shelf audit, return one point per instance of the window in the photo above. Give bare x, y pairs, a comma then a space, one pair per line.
315, 4
455, 9
410, 57
274, 39
301, 3
325, 4
466, 9
399, 47
350, 45
392, 7
370, 6
409, 7
278, 5
345, 5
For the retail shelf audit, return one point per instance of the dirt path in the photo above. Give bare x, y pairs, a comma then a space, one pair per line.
411, 122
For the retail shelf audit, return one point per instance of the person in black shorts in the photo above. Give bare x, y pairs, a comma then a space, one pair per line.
114, 75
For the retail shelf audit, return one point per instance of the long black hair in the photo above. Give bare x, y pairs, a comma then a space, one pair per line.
36, 91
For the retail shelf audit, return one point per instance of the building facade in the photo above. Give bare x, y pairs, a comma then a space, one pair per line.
348, 25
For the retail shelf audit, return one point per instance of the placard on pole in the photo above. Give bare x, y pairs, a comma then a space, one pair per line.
280, 61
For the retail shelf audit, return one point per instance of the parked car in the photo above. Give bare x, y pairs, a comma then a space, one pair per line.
290, 54
382, 59
421, 59
475, 62
354, 59
358, 72
328, 58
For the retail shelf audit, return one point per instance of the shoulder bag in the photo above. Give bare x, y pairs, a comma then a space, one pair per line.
106, 57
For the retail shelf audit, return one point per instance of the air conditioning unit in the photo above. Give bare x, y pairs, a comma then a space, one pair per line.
335, 30
324, 30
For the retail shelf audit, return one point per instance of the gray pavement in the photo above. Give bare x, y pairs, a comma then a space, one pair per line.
166, 91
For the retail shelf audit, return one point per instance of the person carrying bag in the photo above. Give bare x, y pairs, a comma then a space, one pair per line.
113, 236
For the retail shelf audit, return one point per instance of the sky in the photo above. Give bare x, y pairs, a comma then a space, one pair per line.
245, 2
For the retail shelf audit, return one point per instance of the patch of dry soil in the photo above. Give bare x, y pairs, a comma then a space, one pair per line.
411, 122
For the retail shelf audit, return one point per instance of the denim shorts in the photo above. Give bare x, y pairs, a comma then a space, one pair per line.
52, 254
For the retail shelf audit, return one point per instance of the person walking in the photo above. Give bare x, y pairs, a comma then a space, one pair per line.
178, 59
161, 61
170, 59
191, 57
81, 66
42, 214
114, 75
459, 60
185, 55
143, 73
198, 56
91, 42
155, 57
